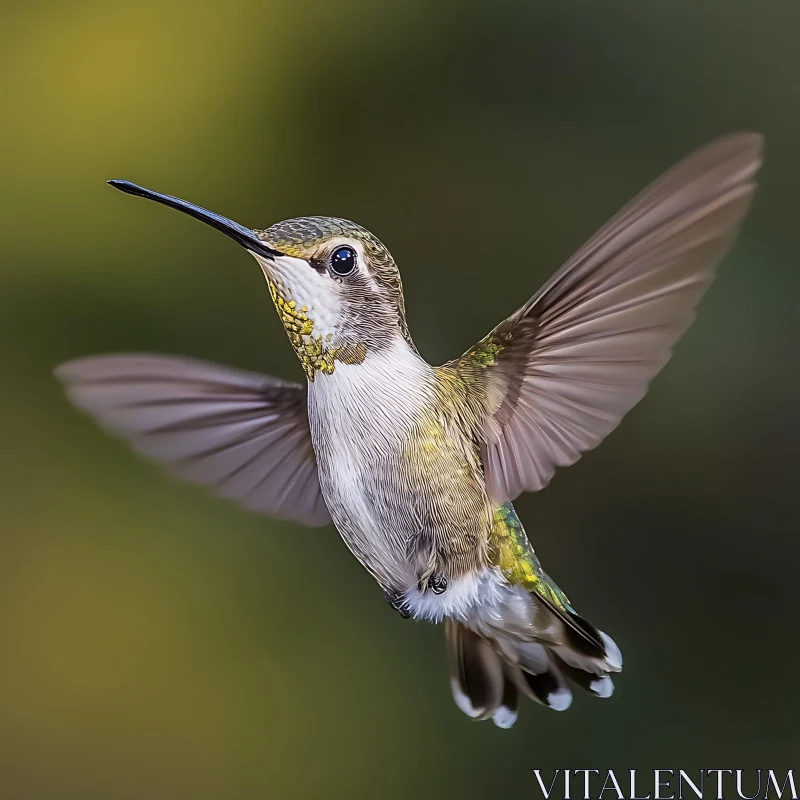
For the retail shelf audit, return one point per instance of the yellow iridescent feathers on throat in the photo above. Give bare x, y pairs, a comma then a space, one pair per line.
316, 353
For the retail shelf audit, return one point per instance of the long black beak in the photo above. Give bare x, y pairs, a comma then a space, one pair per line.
237, 232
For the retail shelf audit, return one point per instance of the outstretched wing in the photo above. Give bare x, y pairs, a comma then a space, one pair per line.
244, 434
558, 376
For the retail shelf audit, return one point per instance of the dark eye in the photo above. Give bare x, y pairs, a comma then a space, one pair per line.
343, 261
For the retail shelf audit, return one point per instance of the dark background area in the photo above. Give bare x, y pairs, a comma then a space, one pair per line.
156, 642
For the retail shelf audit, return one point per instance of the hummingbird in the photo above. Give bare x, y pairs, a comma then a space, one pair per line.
417, 466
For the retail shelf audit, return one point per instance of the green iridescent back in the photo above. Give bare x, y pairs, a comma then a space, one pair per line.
510, 550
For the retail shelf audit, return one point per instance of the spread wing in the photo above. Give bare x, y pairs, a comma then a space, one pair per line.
244, 434
558, 376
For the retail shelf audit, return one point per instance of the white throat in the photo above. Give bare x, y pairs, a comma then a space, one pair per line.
305, 290
393, 381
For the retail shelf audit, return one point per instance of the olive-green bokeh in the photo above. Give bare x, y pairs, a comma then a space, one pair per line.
159, 643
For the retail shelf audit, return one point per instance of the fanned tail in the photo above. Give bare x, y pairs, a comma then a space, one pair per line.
488, 673
524, 637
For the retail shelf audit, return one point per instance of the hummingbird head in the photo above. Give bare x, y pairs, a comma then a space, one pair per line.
335, 286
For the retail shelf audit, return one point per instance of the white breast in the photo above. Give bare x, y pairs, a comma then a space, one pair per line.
361, 420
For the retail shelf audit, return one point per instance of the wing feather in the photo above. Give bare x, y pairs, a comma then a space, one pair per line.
246, 435
559, 374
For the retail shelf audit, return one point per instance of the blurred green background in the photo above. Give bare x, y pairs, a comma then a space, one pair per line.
156, 642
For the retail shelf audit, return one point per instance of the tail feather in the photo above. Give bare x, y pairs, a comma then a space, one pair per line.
539, 643
581, 636
488, 673
505, 715
476, 676
597, 684
548, 688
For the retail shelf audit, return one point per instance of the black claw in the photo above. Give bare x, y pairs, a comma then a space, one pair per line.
437, 582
